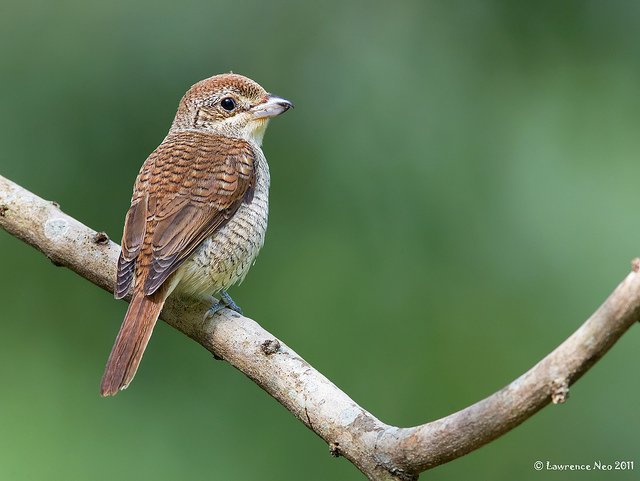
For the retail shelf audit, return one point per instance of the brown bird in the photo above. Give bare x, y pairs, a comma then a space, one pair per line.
198, 213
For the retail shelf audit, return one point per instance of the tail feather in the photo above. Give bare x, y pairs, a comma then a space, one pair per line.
132, 340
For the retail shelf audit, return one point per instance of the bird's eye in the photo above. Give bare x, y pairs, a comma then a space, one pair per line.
228, 104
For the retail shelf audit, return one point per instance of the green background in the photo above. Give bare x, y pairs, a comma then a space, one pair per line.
455, 192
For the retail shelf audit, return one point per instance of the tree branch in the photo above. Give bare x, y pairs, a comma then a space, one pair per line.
380, 451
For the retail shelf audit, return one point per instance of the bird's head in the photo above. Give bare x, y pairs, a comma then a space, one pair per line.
229, 105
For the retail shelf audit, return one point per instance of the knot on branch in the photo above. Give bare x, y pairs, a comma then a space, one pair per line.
403, 475
334, 449
3, 209
101, 238
635, 264
270, 346
559, 391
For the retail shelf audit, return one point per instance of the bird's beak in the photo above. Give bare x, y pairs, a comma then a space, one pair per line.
271, 107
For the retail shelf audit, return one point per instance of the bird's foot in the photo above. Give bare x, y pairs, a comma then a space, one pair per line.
225, 301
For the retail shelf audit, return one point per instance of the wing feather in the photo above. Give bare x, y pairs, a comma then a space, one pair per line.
132, 239
188, 188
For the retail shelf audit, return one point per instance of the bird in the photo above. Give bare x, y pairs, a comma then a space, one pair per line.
198, 213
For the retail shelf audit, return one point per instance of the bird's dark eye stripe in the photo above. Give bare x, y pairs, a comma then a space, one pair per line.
228, 103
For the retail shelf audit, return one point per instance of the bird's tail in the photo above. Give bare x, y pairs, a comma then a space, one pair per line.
132, 340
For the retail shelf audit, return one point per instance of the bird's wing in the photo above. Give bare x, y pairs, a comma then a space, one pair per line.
189, 187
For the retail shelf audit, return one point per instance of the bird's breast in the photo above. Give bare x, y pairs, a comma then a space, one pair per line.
224, 258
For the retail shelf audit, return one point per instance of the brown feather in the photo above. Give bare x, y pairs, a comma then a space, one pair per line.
195, 182
134, 228
189, 187
132, 340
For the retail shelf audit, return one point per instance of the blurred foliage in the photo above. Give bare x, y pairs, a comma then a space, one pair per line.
455, 192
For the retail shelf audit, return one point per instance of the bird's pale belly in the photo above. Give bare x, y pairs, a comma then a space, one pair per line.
224, 259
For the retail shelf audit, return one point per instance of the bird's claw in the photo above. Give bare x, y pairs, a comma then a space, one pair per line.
224, 302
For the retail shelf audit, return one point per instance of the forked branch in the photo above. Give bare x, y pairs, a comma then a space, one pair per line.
380, 451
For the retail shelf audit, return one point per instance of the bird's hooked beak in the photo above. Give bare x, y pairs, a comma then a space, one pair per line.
272, 106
